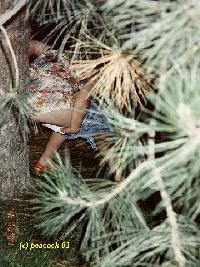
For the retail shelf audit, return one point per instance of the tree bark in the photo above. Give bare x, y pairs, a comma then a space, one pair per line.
14, 160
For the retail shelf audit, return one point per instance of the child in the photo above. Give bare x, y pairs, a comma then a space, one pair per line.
59, 100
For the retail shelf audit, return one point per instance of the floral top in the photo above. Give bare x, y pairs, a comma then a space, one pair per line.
52, 85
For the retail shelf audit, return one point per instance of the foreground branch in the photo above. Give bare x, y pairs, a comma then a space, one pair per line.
175, 240
112, 194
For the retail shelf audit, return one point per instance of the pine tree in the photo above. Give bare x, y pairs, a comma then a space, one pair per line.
158, 151
14, 39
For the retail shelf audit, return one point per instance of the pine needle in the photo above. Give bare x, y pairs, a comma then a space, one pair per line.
119, 78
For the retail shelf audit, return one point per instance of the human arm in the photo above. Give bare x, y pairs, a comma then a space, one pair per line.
81, 103
37, 48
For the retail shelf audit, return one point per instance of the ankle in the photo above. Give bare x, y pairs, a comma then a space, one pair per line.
45, 160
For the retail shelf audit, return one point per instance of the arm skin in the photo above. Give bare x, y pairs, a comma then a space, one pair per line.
37, 48
81, 103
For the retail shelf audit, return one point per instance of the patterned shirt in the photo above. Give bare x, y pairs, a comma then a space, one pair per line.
52, 84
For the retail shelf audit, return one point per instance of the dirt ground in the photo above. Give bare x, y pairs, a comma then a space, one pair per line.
83, 157
15, 217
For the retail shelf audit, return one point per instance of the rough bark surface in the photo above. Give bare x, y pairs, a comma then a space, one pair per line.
14, 164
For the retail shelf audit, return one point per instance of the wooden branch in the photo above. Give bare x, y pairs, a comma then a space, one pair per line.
12, 54
175, 239
11, 12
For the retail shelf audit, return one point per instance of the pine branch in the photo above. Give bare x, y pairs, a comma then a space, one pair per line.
72, 19
163, 32
118, 77
151, 248
175, 241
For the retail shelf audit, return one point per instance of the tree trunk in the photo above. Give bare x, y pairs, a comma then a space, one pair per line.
14, 161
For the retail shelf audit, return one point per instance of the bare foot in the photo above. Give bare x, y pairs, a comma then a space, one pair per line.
43, 165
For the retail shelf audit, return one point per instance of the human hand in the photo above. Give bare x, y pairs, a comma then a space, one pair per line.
69, 130
37, 48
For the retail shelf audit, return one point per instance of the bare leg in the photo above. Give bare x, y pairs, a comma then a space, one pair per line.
54, 143
60, 117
